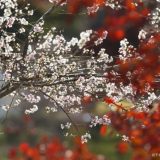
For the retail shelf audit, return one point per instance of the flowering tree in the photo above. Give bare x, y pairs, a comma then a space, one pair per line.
38, 63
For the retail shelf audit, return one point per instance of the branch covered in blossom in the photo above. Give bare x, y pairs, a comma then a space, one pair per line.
37, 63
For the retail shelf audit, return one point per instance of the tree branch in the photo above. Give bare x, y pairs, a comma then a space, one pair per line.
67, 114
8, 90
26, 43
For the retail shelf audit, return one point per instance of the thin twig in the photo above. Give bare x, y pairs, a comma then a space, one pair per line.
67, 114
3, 121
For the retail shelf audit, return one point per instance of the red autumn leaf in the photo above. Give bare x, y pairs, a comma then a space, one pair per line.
12, 153
33, 153
122, 147
108, 100
117, 34
24, 147
103, 130
139, 115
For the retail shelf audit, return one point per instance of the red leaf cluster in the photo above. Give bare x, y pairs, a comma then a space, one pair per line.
51, 149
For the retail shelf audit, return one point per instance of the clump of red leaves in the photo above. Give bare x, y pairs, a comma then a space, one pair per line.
51, 149
122, 147
144, 71
143, 130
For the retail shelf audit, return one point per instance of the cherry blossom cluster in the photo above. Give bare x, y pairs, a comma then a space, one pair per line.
155, 18
96, 6
85, 137
100, 121
108, 3
12, 15
126, 50
38, 64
